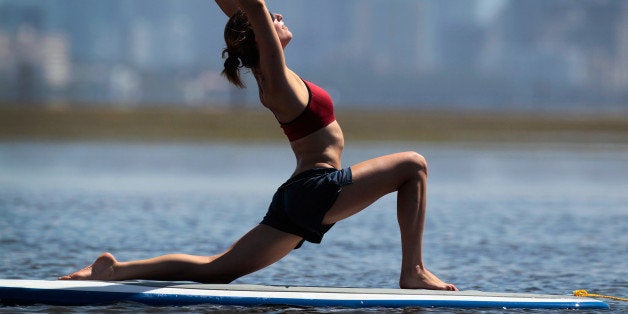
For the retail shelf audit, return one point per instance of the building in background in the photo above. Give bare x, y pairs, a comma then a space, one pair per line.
458, 53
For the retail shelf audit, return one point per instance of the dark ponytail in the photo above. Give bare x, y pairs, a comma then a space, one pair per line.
232, 68
241, 48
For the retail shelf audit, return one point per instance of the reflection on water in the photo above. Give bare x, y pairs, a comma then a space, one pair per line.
501, 217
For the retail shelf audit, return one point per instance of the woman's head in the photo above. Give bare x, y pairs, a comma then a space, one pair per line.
242, 49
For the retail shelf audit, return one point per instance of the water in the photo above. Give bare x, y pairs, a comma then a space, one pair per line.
507, 218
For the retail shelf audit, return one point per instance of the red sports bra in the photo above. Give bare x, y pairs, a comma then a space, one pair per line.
318, 114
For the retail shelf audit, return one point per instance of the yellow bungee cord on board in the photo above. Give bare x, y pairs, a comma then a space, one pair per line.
585, 293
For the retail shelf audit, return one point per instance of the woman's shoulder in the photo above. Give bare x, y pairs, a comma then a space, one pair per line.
289, 99
286, 84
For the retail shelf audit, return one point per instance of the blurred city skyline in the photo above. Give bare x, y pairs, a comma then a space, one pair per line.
487, 54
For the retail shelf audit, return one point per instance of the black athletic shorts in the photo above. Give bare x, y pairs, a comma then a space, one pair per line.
299, 205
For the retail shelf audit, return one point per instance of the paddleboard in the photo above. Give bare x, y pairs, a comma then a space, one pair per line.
57, 292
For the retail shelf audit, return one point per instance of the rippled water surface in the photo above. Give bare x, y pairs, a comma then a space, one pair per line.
506, 218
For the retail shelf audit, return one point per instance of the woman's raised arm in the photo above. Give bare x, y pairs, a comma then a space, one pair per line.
272, 62
228, 6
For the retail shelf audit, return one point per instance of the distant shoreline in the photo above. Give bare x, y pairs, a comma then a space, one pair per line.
185, 124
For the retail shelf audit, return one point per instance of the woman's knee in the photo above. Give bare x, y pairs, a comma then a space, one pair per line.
414, 164
227, 278
220, 278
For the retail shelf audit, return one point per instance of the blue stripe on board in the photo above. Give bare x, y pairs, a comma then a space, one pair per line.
77, 297
249, 301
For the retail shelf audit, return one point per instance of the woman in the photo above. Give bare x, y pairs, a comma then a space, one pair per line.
319, 193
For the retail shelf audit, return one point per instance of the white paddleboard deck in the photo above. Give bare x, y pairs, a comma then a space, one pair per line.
13, 291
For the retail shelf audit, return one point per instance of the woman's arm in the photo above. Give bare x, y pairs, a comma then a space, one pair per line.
228, 6
272, 63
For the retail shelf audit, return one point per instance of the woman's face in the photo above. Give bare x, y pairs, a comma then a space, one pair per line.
282, 30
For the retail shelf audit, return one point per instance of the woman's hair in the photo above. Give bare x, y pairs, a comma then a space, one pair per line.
241, 48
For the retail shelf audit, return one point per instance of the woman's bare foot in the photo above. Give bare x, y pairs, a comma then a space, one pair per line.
424, 279
101, 269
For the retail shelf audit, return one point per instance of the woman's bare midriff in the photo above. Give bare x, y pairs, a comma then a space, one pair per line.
321, 149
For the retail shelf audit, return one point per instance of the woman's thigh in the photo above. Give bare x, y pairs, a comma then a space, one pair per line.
373, 179
260, 247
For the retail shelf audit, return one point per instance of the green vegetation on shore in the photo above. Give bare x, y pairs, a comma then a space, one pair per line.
173, 124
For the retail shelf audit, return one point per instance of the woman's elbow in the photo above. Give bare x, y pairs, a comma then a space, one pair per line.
249, 5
